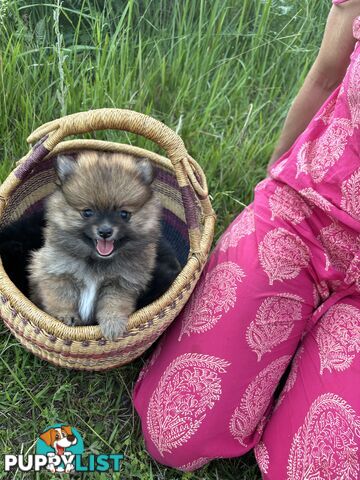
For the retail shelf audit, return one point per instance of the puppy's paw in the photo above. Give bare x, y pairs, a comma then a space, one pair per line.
113, 327
69, 318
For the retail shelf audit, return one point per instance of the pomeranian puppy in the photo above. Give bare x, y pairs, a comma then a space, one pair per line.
100, 241
20, 238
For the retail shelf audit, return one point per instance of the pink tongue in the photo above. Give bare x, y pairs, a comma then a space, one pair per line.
105, 247
60, 450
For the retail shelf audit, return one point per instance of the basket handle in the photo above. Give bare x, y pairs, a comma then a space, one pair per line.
112, 118
50, 134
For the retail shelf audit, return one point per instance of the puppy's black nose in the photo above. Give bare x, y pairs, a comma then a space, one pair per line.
105, 231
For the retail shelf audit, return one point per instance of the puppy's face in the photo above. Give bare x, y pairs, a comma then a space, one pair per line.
105, 201
59, 437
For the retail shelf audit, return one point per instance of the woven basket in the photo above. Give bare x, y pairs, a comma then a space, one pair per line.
188, 223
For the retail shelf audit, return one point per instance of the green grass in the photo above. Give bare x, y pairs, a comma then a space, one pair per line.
221, 73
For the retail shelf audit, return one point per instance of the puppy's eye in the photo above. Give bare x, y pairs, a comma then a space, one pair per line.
125, 215
87, 213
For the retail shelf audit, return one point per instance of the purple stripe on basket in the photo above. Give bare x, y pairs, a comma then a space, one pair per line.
36, 179
38, 153
47, 164
35, 207
175, 222
25, 170
161, 174
170, 179
187, 194
166, 177
39, 142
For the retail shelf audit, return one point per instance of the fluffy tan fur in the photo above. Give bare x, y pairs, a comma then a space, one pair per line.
68, 277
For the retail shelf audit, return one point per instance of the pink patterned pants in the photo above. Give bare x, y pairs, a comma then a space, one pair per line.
274, 291
282, 287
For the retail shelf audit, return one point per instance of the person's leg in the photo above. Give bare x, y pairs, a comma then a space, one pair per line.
212, 378
314, 431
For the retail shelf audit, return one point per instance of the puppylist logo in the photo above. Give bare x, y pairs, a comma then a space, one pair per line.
59, 449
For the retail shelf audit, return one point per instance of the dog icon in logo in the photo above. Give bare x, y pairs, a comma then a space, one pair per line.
59, 439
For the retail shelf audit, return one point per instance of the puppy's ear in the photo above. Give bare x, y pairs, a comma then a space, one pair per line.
65, 166
67, 429
48, 437
146, 170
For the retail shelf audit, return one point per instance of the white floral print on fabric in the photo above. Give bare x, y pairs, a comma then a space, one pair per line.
353, 92
288, 205
325, 446
273, 322
195, 464
262, 457
340, 245
214, 296
278, 168
353, 272
244, 226
338, 337
315, 198
356, 28
316, 157
335, 285
256, 400
283, 254
189, 387
350, 200
260, 427
327, 114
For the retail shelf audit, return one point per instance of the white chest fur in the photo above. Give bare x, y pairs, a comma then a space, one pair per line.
87, 299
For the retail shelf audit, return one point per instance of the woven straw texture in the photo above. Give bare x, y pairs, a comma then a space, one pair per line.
188, 223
